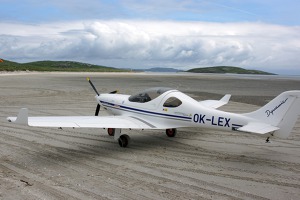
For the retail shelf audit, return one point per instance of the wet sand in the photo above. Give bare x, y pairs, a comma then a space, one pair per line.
48, 163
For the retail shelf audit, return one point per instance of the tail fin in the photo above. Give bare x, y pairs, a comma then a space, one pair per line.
282, 112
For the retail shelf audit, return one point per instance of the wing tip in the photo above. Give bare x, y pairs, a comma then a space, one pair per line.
226, 98
22, 117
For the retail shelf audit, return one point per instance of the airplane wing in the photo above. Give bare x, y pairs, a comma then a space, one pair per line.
82, 121
216, 103
256, 127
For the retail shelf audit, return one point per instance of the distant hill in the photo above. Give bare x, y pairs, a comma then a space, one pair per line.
64, 66
228, 70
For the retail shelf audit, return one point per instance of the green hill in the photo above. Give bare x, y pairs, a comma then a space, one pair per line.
227, 70
63, 66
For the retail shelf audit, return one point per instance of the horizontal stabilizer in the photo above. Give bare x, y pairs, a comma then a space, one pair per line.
216, 103
259, 128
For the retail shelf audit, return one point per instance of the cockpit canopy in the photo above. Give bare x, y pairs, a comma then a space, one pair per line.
148, 95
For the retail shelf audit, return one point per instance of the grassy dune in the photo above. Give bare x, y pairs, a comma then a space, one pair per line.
64, 66
227, 69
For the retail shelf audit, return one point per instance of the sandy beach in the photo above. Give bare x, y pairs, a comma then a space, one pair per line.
49, 163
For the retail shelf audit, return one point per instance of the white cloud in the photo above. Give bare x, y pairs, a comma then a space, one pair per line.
140, 44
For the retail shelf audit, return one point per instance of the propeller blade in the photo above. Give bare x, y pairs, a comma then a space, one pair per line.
89, 80
97, 110
114, 92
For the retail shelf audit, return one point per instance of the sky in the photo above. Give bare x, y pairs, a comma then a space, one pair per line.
253, 34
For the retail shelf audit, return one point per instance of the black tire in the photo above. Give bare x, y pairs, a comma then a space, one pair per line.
171, 132
124, 140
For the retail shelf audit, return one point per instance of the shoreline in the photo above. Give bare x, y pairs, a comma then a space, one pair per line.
215, 75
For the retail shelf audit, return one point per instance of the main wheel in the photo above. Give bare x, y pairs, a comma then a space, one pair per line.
171, 132
124, 140
111, 131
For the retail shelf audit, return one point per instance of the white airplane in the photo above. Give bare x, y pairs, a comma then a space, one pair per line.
169, 109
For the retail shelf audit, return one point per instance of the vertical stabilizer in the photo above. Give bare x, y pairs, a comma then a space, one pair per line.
282, 112
288, 122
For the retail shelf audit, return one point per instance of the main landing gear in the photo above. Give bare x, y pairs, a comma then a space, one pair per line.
171, 132
111, 131
123, 139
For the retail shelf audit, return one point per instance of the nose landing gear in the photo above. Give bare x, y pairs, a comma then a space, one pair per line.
123, 139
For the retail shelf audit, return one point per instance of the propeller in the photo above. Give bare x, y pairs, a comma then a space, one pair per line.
114, 92
97, 110
91, 83
94, 88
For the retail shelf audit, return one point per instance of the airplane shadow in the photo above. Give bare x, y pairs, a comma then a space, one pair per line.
103, 148
140, 144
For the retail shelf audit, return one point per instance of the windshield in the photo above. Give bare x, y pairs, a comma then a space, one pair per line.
148, 95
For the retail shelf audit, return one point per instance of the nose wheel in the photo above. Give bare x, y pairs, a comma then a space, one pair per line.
124, 140
171, 132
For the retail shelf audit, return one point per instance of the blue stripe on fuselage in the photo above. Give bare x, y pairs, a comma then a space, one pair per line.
126, 108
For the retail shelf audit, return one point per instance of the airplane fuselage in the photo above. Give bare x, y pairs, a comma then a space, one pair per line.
189, 114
